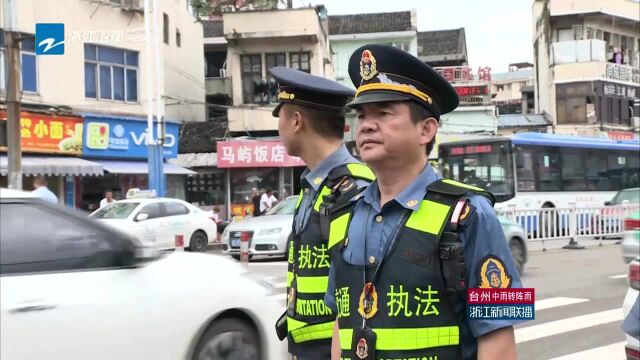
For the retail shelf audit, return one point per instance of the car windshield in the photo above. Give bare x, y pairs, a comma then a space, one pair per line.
287, 207
630, 195
118, 210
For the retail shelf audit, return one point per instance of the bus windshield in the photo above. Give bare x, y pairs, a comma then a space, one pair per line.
485, 165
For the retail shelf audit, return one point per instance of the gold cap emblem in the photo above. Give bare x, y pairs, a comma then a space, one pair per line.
368, 66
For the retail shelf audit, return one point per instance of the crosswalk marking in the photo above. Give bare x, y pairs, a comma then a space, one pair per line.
556, 302
282, 296
535, 332
613, 352
280, 285
621, 276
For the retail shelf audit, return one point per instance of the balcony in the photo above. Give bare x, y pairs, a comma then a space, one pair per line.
585, 60
290, 23
218, 86
252, 118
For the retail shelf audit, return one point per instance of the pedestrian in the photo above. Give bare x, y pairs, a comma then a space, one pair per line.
409, 247
267, 201
311, 126
255, 200
42, 191
220, 223
108, 199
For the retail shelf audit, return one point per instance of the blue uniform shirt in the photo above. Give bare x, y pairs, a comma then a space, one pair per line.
312, 179
481, 234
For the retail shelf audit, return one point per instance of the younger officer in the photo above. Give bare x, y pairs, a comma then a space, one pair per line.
311, 126
411, 245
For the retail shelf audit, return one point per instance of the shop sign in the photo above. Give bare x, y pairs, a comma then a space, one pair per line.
621, 135
124, 138
250, 153
619, 90
44, 133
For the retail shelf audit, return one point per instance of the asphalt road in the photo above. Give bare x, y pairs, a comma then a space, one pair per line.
579, 295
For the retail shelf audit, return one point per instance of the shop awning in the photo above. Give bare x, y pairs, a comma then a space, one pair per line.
54, 166
140, 167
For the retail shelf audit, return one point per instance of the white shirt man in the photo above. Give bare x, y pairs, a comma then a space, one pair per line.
108, 199
266, 201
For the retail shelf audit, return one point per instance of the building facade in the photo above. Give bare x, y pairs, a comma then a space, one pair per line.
102, 72
587, 54
513, 91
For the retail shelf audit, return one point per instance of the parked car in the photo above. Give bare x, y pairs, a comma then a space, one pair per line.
267, 234
631, 238
631, 315
610, 219
82, 290
160, 222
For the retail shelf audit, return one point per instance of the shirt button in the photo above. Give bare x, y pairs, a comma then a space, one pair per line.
306, 191
372, 260
379, 218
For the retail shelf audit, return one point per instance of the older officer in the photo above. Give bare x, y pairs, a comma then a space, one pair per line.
411, 245
311, 126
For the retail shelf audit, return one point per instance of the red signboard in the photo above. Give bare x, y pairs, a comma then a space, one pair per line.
621, 135
471, 149
472, 90
49, 133
252, 153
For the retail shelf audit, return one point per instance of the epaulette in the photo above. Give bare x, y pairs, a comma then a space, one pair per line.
458, 189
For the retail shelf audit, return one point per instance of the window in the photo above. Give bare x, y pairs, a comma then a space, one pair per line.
596, 162
565, 35
402, 46
153, 210
300, 61
272, 61
178, 38
174, 209
29, 80
165, 28
524, 170
573, 170
59, 242
500, 87
548, 161
110, 73
251, 78
572, 102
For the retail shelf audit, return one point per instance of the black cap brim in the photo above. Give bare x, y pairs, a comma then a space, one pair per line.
276, 111
376, 97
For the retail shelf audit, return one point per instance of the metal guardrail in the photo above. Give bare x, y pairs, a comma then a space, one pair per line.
572, 222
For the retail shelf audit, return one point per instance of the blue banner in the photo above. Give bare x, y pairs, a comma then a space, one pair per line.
123, 138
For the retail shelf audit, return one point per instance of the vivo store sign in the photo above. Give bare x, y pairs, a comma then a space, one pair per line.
124, 138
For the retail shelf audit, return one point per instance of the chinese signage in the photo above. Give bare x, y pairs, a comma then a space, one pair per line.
501, 303
464, 73
49, 133
472, 90
249, 153
623, 73
621, 135
618, 90
124, 138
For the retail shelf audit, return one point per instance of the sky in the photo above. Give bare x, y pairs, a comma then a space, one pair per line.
498, 32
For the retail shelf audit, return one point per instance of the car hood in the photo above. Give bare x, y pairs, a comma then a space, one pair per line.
263, 222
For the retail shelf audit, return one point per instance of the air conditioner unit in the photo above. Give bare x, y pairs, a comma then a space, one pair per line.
132, 5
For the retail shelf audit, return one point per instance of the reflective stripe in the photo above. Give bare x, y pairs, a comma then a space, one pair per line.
313, 332
408, 338
429, 218
459, 184
312, 284
361, 170
289, 278
300, 198
338, 229
323, 192
293, 324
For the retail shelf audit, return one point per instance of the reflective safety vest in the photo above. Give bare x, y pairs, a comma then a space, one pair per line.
409, 308
309, 321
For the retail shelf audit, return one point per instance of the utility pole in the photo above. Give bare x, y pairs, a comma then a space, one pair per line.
12, 68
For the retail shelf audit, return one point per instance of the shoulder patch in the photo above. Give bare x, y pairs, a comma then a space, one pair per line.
493, 274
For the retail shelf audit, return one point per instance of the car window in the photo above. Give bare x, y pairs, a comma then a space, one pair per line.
117, 210
287, 207
35, 238
175, 208
632, 195
153, 210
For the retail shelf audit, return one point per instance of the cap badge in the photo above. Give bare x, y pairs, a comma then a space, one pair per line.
368, 66
283, 95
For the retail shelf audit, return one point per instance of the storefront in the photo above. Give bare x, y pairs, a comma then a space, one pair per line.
260, 164
50, 147
118, 144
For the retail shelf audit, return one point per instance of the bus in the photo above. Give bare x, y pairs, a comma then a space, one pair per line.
537, 170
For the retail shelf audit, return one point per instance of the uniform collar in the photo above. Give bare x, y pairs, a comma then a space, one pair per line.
317, 176
411, 197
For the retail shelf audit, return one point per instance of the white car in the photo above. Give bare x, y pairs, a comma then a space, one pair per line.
75, 289
267, 234
632, 346
160, 222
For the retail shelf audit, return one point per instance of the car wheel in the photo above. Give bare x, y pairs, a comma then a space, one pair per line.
229, 339
517, 252
198, 242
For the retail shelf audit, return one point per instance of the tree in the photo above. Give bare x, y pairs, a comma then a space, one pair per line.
217, 7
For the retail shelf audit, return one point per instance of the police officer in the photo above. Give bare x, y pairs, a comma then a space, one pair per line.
311, 126
409, 247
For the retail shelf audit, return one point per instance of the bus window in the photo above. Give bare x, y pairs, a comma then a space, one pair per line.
548, 164
595, 162
526, 179
573, 172
632, 171
616, 161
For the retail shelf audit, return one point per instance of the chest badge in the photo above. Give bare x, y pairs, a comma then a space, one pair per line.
362, 349
317, 180
368, 304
